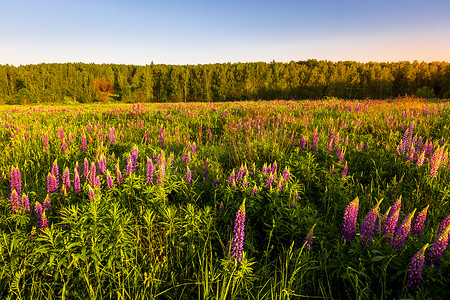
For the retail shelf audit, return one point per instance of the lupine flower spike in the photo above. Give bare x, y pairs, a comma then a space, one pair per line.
350, 218
239, 234
414, 280
420, 222
368, 224
309, 238
402, 231
438, 248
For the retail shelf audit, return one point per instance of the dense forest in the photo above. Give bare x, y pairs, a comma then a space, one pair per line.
312, 79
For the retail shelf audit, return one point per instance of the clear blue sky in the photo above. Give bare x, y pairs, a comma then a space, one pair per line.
199, 32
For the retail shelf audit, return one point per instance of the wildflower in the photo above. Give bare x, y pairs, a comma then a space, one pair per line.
350, 218
274, 168
421, 159
286, 174
436, 161
25, 202
254, 190
102, 164
368, 224
91, 193
303, 143
16, 181
83, 142
280, 184
118, 174
161, 172
414, 280
109, 180
309, 238
55, 172
85, 168
314, 141
41, 219
438, 248
66, 178
419, 222
150, 171
76, 181
344, 170
14, 200
231, 178
47, 204
112, 135
402, 231
188, 175
239, 234
134, 156
245, 182
269, 181
444, 223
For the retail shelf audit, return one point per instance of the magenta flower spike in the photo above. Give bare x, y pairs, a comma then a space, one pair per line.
118, 174
286, 174
47, 204
420, 222
150, 171
129, 168
25, 202
41, 219
85, 169
350, 219
438, 248
421, 159
368, 224
444, 223
91, 193
415, 268
109, 180
55, 172
231, 178
254, 190
83, 142
239, 234
14, 200
102, 164
308, 242
269, 180
16, 181
66, 179
344, 170
92, 173
76, 182
161, 172
188, 175
402, 231
49, 183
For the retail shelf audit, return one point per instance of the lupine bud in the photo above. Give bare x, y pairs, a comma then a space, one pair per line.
239, 234
368, 225
414, 280
420, 222
309, 238
350, 218
25, 202
402, 231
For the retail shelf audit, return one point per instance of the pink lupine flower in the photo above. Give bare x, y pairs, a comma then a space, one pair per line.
368, 225
109, 181
150, 171
25, 202
66, 179
350, 219
402, 231
414, 280
420, 222
91, 193
85, 169
14, 200
239, 235
76, 182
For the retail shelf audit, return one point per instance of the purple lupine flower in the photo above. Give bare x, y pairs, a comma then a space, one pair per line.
150, 171
414, 280
14, 200
66, 179
421, 159
25, 202
112, 135
341, 156
188, 175
55, 172
402, 231
49, 183
368, 225
129, 168
390, 226
83, 142
303, 143
97, 182
314, 141
109, 180
16, 180
269, 180
92, 173
76, 182
280, 184
102, 164
245, 182
118, 174
350, 218
286, 174
41, 219
274, 168
161, 171
91, 193
134, 157
85, 168
239, 234
444, 223
344, 170
47, 205
254, 190
240, 173
438, 248
309, 238
420, 222
436, 161
231, 178
338, 151
264, 169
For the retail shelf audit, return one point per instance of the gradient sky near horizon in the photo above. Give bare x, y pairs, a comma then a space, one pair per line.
200, 32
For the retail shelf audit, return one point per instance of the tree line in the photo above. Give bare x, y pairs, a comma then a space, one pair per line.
311, 79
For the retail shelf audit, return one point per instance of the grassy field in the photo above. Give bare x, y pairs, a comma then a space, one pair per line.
240, 200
